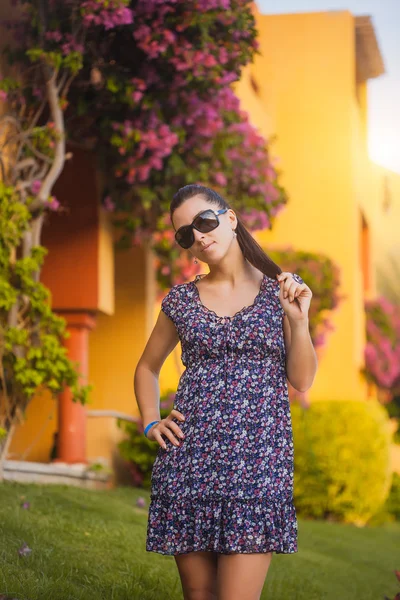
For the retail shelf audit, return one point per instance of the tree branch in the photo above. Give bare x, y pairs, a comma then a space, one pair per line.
59, 155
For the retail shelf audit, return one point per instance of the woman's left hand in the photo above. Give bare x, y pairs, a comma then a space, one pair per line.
295, 298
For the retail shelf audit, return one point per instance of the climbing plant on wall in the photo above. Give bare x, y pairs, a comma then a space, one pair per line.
382, 351
322, 275
145, 86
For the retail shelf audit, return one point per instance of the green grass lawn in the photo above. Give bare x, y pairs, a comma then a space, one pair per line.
90, 545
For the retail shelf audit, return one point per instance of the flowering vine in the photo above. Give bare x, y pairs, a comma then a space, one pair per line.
382, 351
160, 95
322, 275
164, 116
145, 83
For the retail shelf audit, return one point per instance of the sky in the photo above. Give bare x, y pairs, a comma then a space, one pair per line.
383, 91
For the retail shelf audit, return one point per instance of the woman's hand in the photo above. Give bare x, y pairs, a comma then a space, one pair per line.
166, 427
295, 298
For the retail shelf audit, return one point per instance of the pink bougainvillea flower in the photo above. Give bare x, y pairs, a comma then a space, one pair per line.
53, 203
220, 178
137, 96
382, 351
35, 186
54, 36
24, 550
108, 204
107, 13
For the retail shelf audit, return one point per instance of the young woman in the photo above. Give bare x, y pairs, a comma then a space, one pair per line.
222, 481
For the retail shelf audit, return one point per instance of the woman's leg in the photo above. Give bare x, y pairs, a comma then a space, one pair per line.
198, 573
242, 576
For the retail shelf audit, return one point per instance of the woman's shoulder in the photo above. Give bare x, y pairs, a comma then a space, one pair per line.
173, 302
173, 293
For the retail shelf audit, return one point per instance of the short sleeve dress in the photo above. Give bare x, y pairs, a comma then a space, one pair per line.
228, 487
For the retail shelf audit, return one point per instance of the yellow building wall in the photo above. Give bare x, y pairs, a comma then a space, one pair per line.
114, 350
34, 438
386, 258
306, 74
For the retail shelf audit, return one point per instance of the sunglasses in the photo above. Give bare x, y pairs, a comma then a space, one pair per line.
204, 222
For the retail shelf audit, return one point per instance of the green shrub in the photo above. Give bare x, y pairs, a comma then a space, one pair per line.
393, 501
342, 459
390, 511
139, 452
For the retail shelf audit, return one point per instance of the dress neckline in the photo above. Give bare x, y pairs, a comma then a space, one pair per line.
239, 312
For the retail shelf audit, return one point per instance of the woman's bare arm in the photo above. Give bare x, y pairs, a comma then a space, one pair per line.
301, 358
160, 344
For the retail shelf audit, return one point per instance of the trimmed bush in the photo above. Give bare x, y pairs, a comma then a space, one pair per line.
342, 459
393, 501
139, 452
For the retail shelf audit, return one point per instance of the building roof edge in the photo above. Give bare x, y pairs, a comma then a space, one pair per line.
368, 55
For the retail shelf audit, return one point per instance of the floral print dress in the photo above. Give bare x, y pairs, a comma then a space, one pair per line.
228, 487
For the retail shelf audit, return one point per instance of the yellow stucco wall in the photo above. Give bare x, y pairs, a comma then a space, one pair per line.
386, 258
115, 347
34, 439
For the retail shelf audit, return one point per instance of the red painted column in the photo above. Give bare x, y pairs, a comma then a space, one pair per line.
71, 444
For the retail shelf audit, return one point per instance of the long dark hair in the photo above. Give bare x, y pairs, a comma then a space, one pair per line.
252, 251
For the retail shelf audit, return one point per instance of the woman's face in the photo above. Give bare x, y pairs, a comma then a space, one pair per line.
218, 240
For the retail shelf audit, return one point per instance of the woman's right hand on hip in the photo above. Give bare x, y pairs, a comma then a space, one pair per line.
168, 428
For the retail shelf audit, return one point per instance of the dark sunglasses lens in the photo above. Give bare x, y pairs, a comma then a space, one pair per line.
185, 237
206, 222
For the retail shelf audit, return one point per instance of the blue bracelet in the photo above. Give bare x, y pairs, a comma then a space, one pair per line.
148, 427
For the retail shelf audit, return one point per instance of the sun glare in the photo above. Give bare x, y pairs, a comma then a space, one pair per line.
385, 152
